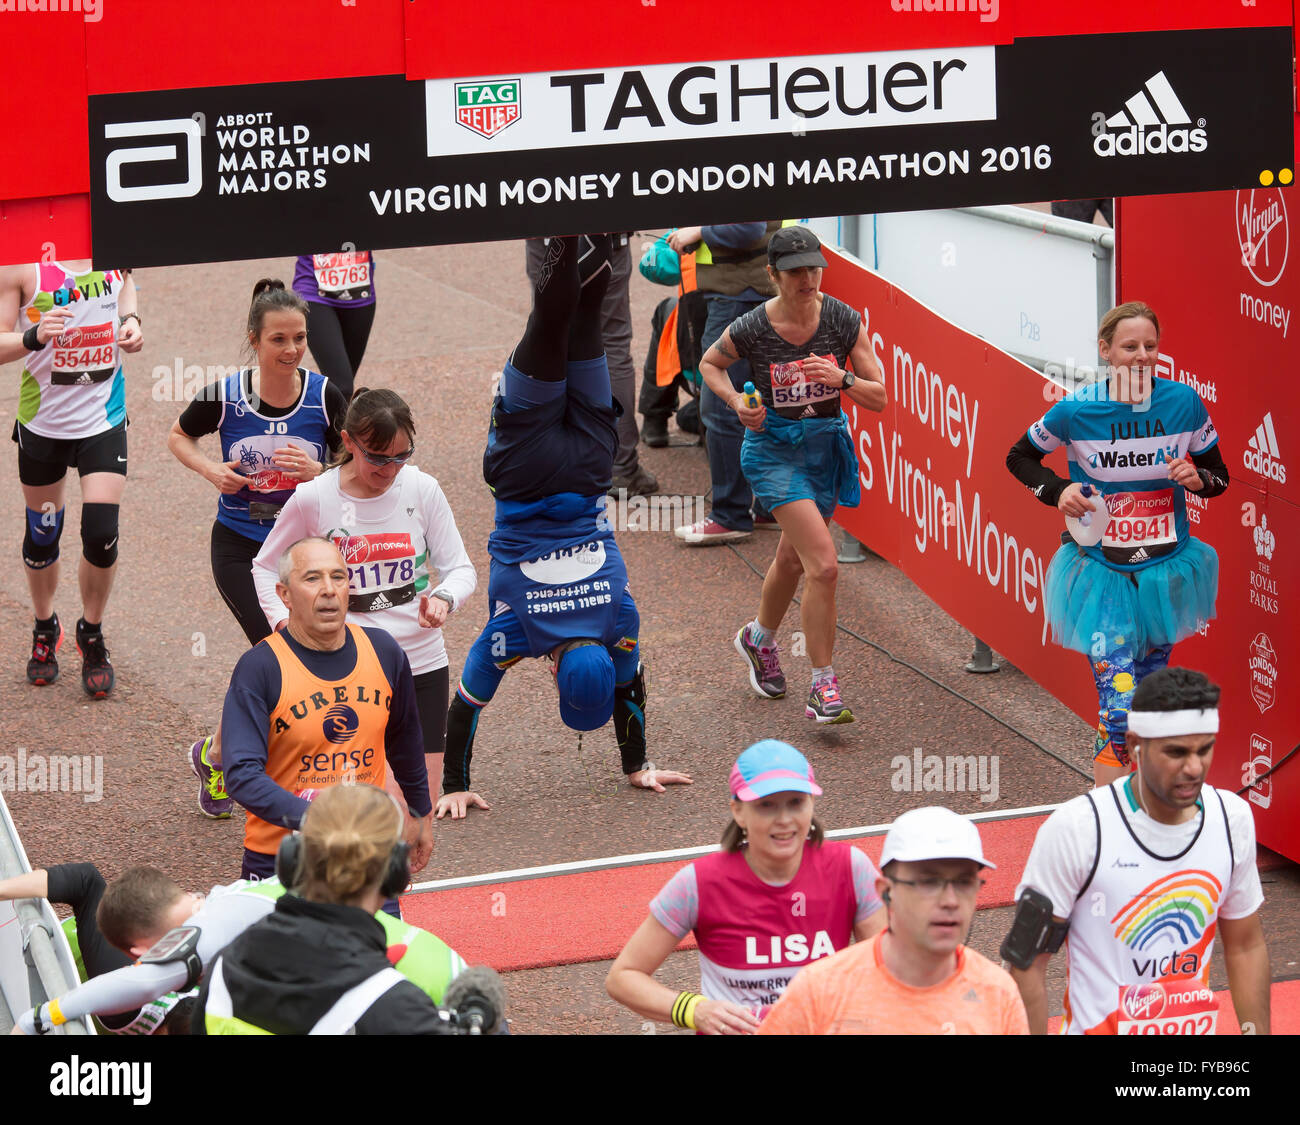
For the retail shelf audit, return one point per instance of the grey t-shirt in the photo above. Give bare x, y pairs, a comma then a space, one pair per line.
776, 363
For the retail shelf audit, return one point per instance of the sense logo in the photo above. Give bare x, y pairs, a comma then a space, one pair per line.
1263, 234
1262, 455
486, 108
340, 724
1153, 121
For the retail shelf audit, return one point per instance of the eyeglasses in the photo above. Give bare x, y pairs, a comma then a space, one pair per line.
932, 886
378, 461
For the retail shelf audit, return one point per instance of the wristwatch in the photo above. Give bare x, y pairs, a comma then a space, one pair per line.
121, 320
849, 380
451, 604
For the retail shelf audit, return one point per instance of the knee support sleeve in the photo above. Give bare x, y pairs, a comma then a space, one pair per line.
629, 721
41, 542
99, 534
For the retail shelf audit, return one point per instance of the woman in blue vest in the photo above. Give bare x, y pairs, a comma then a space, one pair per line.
557, 586
278, 425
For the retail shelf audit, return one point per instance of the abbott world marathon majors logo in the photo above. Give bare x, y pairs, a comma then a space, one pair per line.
1152, 122
256, 153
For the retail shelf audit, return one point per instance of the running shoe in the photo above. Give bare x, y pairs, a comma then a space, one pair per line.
703, 533
96, 671
43, 667
214, 801
764, 665
767, 524
825, 704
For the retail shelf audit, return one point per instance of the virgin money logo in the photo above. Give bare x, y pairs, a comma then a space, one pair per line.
1121, 504
786, 374
353, 548
1143, 1001
1262, 233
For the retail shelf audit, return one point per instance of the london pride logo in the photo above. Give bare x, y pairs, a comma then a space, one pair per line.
487, 108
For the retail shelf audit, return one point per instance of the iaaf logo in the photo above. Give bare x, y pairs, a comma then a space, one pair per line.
1153, 121
1263, 672
177, 187
1258, 764
486, 108
1262, 455
1263, 234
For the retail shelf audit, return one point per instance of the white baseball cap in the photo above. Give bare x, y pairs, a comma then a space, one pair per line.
933, 833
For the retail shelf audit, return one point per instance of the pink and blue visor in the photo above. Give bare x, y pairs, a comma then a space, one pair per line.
770, 767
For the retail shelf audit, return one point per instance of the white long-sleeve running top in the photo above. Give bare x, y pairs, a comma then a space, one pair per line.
394, 546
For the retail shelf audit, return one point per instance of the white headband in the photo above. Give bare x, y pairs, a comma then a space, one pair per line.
1171, 724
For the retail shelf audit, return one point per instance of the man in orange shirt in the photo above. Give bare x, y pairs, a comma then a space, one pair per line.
317, 704
915, 977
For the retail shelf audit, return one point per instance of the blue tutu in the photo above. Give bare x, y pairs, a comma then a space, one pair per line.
802, 459
1157, 605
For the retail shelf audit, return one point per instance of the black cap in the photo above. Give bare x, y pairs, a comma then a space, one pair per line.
793, 247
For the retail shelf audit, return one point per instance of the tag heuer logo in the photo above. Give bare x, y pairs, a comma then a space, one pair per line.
488, 107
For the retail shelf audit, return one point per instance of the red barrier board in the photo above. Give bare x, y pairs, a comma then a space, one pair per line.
937, 499
939, 502
1223, 273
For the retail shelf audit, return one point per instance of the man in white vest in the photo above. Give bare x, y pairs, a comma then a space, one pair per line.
1142, 875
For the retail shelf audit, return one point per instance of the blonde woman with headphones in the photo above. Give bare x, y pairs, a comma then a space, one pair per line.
318, 964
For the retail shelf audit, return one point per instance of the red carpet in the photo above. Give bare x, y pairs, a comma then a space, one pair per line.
566, 919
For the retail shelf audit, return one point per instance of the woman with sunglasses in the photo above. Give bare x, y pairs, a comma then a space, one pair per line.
407, 566
278, 425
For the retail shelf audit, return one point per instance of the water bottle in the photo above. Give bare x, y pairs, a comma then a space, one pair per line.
752, 398
1088, 529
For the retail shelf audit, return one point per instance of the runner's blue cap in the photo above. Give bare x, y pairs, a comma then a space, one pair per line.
585, 679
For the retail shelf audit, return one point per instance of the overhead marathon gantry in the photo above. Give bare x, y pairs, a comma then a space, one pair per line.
388, 123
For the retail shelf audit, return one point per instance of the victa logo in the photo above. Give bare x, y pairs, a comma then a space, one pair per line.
1261, 454
1153, 121
120, 157
486, 108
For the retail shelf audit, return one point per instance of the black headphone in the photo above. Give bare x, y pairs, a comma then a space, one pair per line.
397, 871
884, 896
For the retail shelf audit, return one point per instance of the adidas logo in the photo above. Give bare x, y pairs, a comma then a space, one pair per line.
1152, 121
381, 602
1140, 555
1261, 454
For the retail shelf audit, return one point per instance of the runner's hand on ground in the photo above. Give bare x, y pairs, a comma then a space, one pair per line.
457, 805
657, 779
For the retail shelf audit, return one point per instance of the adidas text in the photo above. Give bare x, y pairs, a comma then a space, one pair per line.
1153, 139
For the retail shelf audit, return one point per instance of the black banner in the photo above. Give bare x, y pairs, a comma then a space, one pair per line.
225, 173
